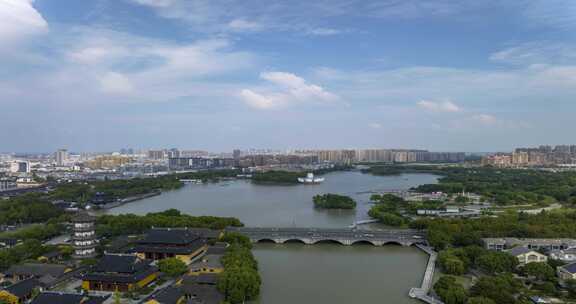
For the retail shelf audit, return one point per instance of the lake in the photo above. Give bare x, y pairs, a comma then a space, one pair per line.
296, 273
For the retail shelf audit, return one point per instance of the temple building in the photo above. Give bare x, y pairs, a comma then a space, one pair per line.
119, 272
84, 237
182, 243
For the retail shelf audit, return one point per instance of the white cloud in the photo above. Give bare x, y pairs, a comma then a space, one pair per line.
559, 14
542, 52
18, 20
92, 55
155, 3
259, 101
439, 106
485, 119
242, 25
289, 88
91, 66
554, 76
329, 74
322, 31
375, 125
305, 17
116, 83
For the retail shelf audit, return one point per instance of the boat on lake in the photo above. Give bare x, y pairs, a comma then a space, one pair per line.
310, 179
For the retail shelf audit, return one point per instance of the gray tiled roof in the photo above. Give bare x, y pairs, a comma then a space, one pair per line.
37, 270
571, 268
516, 251
23, 288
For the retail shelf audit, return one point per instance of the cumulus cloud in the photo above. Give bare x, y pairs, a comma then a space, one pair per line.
242, 25
18, 20
446, 106
88, 66
259, 101
115, 83
288, 88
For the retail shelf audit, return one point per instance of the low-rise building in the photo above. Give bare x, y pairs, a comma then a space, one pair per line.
500, 244
119, 272
210, 264
218, 248
160, 243
565, 255
51, 256
168, 295
51, 297
48, 274
525, 255
566, 272
9, 242
20, 292
201, 289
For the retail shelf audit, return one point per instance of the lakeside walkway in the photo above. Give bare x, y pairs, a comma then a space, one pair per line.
421, 293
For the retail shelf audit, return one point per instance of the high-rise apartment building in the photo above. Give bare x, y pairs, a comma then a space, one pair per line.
156, 154
61, 157
20, 167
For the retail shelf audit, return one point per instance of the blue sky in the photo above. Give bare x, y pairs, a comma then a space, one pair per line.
444, 75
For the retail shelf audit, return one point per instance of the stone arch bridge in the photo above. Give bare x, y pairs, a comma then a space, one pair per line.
344, 236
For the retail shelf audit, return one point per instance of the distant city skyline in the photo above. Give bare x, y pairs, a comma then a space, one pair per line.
440, 75
569, 147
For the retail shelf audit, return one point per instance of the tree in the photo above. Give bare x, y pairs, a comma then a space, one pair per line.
571, 287
450, 291
172, 267
240, 280
540, 271
117, 299
480, 300
376, 197
454, 266
461, 199
239, 284
450, 263
237, 238
500, 289
497, 262
333, 201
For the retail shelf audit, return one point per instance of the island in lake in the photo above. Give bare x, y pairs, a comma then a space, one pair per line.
333, 201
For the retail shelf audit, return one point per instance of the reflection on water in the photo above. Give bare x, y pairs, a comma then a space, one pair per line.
278, 206
327, 273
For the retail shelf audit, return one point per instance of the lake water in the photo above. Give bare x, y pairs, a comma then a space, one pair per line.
296, 273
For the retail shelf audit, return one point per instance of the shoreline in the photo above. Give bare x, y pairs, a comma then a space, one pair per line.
422, 293
129, 200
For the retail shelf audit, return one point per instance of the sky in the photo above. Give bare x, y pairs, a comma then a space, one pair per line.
442, 75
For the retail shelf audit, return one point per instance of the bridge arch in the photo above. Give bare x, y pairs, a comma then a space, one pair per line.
328, 241
266, 241
294, 241
392, 243
363, 242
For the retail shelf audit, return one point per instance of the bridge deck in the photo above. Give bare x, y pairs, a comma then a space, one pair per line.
345, 236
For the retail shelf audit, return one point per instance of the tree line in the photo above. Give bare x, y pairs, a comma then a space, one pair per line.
240, 281
122, 224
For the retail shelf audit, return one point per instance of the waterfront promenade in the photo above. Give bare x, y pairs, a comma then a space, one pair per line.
421, 293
